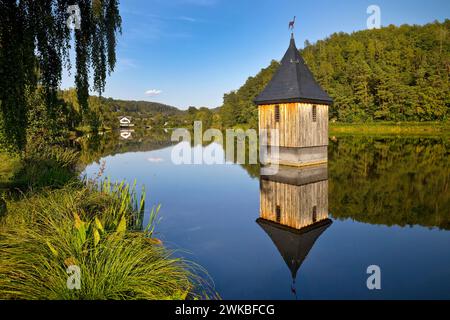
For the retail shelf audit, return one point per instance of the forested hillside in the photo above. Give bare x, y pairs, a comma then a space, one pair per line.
390, 74
104, 113
142, 107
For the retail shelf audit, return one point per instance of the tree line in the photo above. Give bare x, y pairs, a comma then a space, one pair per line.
396, 73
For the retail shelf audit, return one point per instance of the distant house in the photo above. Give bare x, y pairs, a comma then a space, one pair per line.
125, 122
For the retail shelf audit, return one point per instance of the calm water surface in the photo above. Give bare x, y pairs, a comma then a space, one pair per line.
388, 201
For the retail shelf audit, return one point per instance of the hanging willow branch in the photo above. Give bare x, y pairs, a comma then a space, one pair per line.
34, 46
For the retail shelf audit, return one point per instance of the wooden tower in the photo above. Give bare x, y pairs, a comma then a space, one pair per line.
295, 104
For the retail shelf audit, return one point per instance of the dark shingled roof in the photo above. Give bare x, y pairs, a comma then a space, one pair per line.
293, 82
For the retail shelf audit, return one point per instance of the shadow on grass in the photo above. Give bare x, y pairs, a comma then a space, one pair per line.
51, 167
40, 173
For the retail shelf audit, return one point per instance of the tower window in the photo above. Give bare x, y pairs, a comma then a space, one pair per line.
314, 215
278, 213
277, 113
314, 113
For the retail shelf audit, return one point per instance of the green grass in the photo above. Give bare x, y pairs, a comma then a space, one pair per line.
391, 128
46, 167
9, 166
51, 221
383, 128
94, 229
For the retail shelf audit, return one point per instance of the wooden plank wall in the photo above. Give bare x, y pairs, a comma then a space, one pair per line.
296, 202
296, 126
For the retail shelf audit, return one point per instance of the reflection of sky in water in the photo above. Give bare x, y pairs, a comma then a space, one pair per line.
210, 212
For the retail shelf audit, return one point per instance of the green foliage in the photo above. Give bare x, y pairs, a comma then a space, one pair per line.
388, 179
104, 113
45, 167
127, 200
139, 107
46, 233
9, 165
95, 147
45, 126
56, 222
34, 46
394, 73
205, 115
390, 74
378, 128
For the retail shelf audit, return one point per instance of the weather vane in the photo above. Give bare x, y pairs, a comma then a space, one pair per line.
292, 24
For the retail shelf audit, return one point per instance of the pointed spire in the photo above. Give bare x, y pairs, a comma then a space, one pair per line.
293, 82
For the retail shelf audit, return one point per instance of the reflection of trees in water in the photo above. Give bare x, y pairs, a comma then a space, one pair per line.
391, 181
94, 147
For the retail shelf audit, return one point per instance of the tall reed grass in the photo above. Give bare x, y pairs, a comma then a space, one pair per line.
98, 229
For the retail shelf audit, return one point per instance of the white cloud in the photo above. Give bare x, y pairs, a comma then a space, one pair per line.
153, 92
188, 19
155, 160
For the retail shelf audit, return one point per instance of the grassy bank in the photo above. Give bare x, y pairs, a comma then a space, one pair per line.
382, 128
9, 165
391, 128
90, 228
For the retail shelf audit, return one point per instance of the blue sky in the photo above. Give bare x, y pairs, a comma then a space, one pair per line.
191, 52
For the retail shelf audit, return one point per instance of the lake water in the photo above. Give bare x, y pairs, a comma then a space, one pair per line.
380, 201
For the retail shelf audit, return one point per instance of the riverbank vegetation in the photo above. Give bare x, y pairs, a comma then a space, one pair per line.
62, 237
51, 221
391, 128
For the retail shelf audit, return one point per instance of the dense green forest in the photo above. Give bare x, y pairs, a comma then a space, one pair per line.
389, 74
139, 107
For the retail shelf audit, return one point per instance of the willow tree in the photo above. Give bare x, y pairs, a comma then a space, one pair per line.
35, 42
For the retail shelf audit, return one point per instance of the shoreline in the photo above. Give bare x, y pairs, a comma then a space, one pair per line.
391, 128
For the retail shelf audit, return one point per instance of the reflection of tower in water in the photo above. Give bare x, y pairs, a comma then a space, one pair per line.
294, 211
